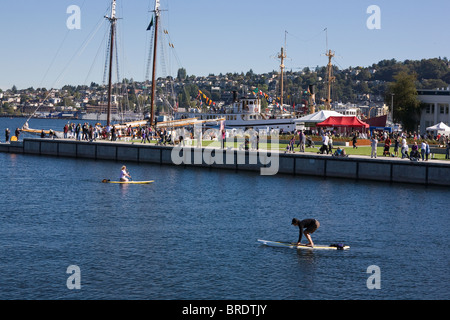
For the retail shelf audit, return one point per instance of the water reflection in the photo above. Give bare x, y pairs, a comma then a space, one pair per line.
124, 188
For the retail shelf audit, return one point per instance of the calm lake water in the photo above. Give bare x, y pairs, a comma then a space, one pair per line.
193, 233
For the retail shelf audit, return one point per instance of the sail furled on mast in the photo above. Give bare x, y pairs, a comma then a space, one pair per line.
150, 25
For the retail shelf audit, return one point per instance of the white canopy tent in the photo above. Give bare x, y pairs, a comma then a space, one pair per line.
440, 127
319, 116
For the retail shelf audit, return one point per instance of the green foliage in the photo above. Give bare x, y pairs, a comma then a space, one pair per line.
406, 103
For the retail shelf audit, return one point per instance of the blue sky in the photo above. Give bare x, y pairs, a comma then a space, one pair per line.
212, 36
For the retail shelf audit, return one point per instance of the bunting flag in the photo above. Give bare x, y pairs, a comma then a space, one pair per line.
208, 101
269, 99
150, 25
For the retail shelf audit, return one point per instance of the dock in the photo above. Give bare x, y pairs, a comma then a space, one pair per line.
358, 168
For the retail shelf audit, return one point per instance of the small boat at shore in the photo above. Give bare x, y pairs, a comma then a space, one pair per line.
50, 133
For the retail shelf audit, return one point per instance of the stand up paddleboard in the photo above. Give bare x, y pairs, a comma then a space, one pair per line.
338, 246
127, 182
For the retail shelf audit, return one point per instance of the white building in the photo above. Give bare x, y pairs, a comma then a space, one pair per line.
437, 107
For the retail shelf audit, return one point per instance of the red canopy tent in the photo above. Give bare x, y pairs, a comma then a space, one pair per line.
349, 122
344, 124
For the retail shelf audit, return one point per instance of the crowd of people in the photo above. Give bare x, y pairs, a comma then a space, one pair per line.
394, 144
419, 149
89, 132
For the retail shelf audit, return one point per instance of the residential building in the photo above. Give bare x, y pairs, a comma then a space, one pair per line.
437, 103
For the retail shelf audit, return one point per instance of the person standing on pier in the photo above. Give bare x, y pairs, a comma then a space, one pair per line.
17, 133
66, 130
447, 147
7, 132
303, 141
396, 144
427, 150
374, 145
423, 150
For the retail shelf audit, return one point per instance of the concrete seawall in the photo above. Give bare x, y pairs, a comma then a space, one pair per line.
390, 170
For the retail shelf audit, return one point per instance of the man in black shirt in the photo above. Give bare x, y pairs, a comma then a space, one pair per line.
310, 225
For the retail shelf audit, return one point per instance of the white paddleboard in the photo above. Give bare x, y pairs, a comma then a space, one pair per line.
295, 246
127, 182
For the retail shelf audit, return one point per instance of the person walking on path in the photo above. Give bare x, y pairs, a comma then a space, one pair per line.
299, 140
330, 144
354, 140
405, 149
302, 145
387, 145
324, 147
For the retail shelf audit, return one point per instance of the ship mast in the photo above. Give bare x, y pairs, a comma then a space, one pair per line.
331, 79
112, 20
282, 56
152, 110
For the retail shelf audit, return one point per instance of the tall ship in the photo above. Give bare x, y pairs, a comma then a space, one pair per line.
244, 113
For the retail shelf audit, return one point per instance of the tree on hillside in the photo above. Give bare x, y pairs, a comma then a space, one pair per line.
406, 104
181, 74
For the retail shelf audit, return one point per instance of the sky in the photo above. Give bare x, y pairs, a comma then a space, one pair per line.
212, 37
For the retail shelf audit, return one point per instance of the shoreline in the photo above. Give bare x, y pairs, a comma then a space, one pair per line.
354, 167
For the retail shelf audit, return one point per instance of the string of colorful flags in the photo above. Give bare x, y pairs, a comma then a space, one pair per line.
208, 101
269, 99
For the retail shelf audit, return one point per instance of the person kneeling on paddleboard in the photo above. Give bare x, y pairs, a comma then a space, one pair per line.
124, 175
310, 225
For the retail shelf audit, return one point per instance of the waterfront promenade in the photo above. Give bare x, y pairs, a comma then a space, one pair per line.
356, 167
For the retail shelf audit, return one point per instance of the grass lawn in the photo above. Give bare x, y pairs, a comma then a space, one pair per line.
360, 151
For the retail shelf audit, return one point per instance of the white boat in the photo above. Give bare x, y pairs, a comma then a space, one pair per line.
244, 113
125, 116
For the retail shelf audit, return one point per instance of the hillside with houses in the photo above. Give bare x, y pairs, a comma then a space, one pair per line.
363, 88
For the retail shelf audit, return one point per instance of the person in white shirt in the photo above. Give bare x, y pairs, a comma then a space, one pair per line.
124, 175
405, 149
324, 143
374, 145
